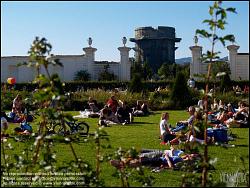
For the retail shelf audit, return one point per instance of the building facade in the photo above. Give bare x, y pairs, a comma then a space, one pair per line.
71, 64
156, 46
238, 63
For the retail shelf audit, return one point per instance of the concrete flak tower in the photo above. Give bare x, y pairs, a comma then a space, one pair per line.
156, 46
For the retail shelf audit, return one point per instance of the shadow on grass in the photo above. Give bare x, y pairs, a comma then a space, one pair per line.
137, 123
241, 145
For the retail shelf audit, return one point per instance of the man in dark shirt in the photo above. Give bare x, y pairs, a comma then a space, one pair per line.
124, 113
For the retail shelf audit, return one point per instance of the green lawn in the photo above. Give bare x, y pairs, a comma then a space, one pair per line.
143, 133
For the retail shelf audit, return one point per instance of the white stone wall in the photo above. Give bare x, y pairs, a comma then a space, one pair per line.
71, 64
9, 69
238, 62
99, 67
242, 67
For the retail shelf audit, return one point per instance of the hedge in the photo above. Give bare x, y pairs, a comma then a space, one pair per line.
110, 85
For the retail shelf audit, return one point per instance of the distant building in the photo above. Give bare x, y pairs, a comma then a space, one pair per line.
156, 46
238, 62
71, 64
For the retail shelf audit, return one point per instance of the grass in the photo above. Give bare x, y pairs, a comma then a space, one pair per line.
144, 133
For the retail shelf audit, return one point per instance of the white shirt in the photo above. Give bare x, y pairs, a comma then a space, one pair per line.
200, 104
163, 125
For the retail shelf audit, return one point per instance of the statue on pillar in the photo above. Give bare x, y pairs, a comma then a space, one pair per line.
195, 40
90, 41
124, 41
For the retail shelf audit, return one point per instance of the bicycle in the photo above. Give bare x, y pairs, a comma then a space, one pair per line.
70, 128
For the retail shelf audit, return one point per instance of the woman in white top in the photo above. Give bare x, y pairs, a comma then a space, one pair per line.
166, 134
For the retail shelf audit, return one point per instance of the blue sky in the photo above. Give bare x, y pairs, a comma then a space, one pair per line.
67, 25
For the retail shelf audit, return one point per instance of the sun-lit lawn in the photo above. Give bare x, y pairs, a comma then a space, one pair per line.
143, 133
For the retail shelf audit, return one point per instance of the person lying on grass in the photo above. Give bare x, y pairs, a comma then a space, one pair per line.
155, 158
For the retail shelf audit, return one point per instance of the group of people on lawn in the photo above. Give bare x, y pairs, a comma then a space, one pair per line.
114, 112
228, 115
190, 130
117, 111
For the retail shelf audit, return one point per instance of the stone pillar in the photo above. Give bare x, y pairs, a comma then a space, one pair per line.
90, 55
195, 65
125, 64
232, 59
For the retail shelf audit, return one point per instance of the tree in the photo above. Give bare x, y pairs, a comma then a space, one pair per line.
216, 22
136, 68
147, 71
82, 75
220, 66
106, 75
225, 84
165, 71
135, 85
180, 93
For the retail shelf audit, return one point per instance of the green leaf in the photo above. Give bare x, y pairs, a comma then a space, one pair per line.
221, 39
21, 64
233, 10
223, 14
230, 38
221, 24
211, 10
216, 4
203, 33
218, 12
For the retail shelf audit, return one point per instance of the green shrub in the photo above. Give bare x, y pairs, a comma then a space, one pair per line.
136, 86
180, 93
82, 75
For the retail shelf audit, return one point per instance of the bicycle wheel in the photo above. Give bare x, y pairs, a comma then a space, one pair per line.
58, 129
82, 128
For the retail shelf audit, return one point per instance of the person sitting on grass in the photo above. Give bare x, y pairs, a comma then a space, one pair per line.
17, 106
166, 134
215, 106
93, 105
24, 129
113, 103
107, 117
124, 113
140, 109
184, 124
195, 131
240, 118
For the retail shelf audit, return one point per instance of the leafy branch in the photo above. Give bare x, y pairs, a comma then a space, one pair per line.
217, 22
